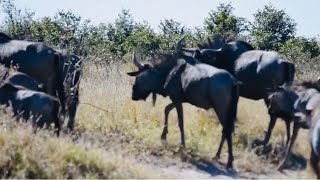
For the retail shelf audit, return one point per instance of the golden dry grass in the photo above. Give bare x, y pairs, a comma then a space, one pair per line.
120, 138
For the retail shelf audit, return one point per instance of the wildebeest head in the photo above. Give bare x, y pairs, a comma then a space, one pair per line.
208, 56
281, 101
294, 102
151, 78
148, 80
6, 91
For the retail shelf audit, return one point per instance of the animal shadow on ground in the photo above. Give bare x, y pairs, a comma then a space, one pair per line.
211, 167
275, 155
207, 166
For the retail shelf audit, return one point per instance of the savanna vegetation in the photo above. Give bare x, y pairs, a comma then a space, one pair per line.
116, 137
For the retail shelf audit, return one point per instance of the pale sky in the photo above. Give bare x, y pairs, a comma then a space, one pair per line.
189, 12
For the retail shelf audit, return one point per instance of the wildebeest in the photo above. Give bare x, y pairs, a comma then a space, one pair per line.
20, 79
219, 52
184, 79
291, 103
72, 70
40, 107
257, 70
314, 140
35, 59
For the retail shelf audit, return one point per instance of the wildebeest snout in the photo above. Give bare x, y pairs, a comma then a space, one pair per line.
138, 93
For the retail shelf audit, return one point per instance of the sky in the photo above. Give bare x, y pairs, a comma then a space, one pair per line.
189, 12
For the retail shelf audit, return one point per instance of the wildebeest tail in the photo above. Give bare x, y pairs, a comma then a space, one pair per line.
56, 117
233, 108
289, 72
60, 80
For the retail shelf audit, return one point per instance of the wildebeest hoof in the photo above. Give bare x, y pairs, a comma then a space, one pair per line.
215, 158
262, 150
231, 170
257, 142
183, 155
281, 168
164, 142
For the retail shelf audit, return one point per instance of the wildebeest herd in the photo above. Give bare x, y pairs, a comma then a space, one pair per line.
215, 77
45, 86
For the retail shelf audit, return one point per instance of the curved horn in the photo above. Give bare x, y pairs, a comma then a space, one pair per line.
135, 61
215, 50
191, 50
180, 44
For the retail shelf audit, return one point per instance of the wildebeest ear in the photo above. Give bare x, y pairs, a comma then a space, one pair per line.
178, 69
136, 73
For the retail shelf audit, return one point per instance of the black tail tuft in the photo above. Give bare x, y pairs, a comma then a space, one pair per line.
60, 79
56, 117
289, 72
233, 108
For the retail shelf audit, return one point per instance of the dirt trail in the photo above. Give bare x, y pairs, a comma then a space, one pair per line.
196, 169
163, 166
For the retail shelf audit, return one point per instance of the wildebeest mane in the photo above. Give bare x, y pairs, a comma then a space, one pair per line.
249, 46
164, 60
218, 41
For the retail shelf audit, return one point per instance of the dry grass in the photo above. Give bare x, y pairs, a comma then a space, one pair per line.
121, 138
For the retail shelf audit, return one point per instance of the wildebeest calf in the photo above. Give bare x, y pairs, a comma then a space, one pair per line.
314, 140
290, 103
40, 107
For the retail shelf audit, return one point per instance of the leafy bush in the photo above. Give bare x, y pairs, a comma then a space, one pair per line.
272, 29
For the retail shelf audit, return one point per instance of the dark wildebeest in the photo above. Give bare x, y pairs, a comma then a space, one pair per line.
257, 70
314, 139
19, 79
40, 107
35, 59
72, 71
291, 103
184, 79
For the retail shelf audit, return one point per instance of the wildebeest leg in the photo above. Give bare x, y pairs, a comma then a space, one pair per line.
315, 163
167, 110
288, 131
291, 142
220, 147
57, 125
72, 109
270, 128
228, 136
180, 120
